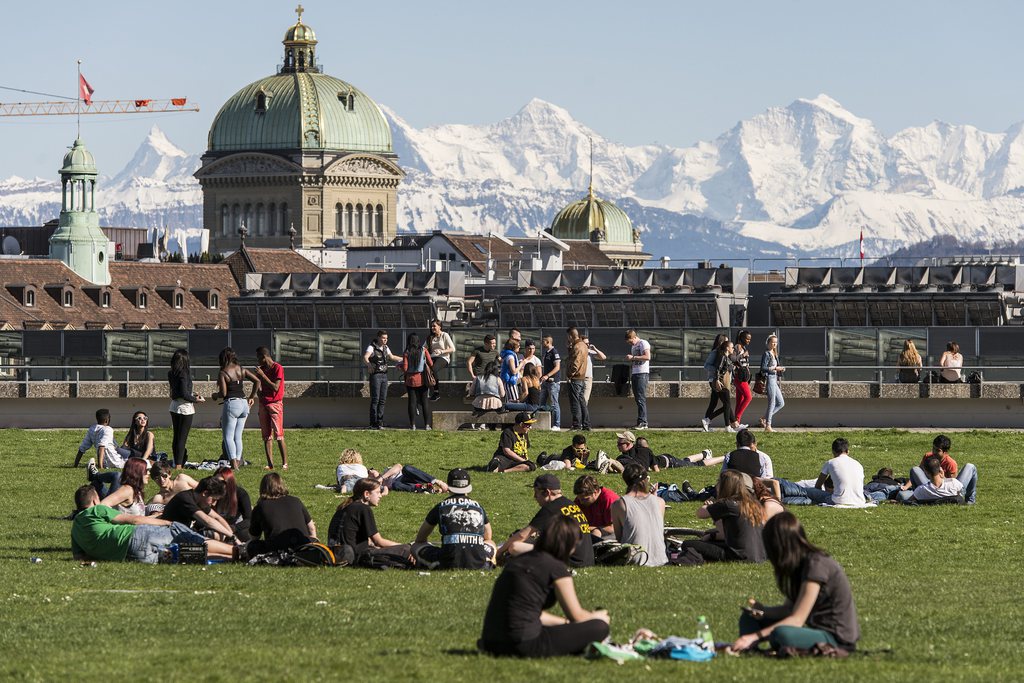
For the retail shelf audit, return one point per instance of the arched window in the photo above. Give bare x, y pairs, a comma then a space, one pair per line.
275, 226
261, 220
214, 300
179, 300
69, 299
142, 299
351, 101
380, 220
105, 300
30, 298
285, 217
339, 218
225, 219
360, 217
349, 220
261, 102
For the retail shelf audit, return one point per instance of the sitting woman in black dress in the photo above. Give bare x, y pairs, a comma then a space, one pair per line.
739, 518
517, 621
353, 523
279, 521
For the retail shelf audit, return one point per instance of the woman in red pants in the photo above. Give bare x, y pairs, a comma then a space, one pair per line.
741, 378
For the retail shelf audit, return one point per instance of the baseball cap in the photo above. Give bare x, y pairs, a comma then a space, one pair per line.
524, 419
548, 482
626, 436
458, 481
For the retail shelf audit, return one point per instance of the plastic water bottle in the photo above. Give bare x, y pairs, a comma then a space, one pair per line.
704, 637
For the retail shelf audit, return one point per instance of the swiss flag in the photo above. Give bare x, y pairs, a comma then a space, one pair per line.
85, 89
862, 244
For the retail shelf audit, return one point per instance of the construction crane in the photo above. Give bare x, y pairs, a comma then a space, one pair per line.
70, 108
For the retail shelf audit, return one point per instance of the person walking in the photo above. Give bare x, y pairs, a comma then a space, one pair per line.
721, 385
576, 373
593, 353
183, 400
550, 381
415, 361
442, 352
771, 369
640, 374
741, 374
236, 403
376, 357
711, 370
271, 395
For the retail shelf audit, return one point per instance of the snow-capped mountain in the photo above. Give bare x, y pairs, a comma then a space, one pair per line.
807, 178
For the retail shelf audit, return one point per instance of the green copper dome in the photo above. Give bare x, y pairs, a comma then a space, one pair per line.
78, 160
300, 108
593, 219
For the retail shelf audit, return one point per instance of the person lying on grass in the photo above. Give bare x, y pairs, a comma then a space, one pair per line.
160, 473
398, 477
517, 621
100, 532
939, 489
354, 525
547, 493
819, 606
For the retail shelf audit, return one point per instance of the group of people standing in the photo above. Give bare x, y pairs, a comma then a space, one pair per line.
728, 368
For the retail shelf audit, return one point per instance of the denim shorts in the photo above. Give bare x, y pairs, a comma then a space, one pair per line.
149, 541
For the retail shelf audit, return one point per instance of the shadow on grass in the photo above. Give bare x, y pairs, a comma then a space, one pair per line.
462, 652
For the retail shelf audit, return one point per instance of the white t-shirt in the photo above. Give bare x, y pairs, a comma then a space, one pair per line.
533, 360
847, 480
349, 474
590, 363
640, 348
103, 435
949, 488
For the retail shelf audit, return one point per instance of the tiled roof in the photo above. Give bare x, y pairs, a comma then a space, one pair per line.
585, 254
161, 282
474, 248
264, 260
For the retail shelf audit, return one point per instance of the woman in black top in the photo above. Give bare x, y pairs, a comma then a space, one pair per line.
182, 407
517, 621
280, 519
739, 518
353, 525
819, 605
235, 506
139, 440
531, 384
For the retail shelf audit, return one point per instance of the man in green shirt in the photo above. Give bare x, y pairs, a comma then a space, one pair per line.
100, 532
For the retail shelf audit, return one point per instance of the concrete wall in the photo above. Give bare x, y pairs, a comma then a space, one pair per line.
670, 405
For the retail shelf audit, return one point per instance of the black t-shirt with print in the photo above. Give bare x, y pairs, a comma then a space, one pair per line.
583, 555
517, 443
548, 360
523, 590
460, 521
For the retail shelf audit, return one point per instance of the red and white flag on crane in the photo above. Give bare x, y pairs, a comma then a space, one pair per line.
862, 244
85, 90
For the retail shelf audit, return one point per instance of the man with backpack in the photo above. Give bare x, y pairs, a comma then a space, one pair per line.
465, 530
376, 357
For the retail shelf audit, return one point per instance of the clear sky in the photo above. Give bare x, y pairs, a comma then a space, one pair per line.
673, 72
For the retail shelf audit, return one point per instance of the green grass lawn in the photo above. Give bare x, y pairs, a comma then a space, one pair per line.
938, 589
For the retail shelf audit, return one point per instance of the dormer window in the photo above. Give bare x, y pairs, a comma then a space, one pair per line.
261, 102
105, 300
69, 298
179, 300
142, 299
30, 298
348, 100
214, 301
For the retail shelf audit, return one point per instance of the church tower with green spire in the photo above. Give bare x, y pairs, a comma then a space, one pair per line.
78, 240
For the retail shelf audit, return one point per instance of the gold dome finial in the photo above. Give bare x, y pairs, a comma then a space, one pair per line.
299, 10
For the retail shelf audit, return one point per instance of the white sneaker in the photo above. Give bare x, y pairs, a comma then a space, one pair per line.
706, 453
742, 426
91, 469
705, 424
556, 428
729, 428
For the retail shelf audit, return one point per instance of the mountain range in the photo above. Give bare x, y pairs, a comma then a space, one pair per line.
807, 179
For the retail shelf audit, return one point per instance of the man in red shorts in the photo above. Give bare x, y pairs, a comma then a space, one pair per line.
271, 376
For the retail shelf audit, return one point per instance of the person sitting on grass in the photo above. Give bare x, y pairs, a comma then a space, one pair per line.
160, 473
547, 493
101, 436
513, 453
819, 606
195, 509
517, 621
747, 458
353, 524
130, 497
739, 518
465, 530
279, 521
100, 532
235, 506
139, 440
639, 516
919, 476
940, 489
596, 503
840, 483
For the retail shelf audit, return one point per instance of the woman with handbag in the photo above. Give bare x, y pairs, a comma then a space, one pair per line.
722, 385
741, 374
442, 350
416, 363
771, 369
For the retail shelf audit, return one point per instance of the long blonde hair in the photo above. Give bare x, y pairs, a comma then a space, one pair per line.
910, 356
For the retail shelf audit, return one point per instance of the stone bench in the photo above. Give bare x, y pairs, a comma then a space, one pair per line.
452, 420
